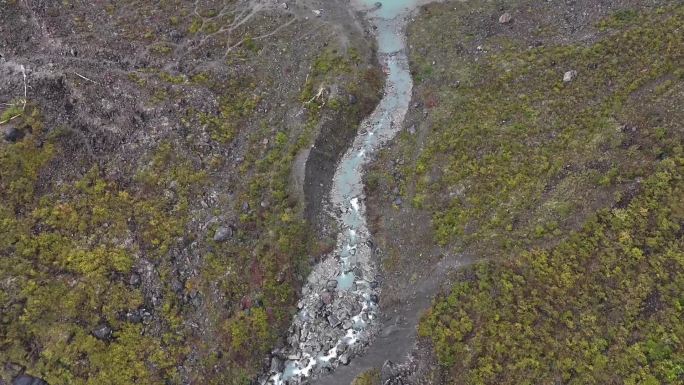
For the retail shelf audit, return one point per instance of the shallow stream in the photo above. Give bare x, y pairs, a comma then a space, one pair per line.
337, 314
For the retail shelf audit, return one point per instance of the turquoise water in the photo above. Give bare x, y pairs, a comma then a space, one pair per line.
351, 264
390, 8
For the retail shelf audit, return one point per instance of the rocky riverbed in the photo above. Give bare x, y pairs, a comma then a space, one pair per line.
338, 310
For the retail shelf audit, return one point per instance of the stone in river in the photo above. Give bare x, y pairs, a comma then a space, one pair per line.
276, 365
326, 298
333, 321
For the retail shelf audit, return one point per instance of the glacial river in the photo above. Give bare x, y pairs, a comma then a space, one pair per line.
338, 310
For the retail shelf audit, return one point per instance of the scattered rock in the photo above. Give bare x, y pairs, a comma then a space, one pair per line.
398, 201
374, 298
12, 135
25, 379
317, 12
505, 18
103, 332
388, 371
412, 129
378, 4
331, 285
569, 76
223, 233
352, 99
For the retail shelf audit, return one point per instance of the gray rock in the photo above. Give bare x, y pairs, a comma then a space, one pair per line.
25, 379
176, 285
378, 4
331, 284
326, 298
103, 332
347, 324
333, 321
569, 76
388, 371
223, 233
11, 134
398, 201
276, 365
196, 302
352, 99
134, 316
134, 280
505, 18
374, 298
412, 129
344, 359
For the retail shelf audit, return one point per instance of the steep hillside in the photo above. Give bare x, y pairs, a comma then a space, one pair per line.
535, 127
154, 223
